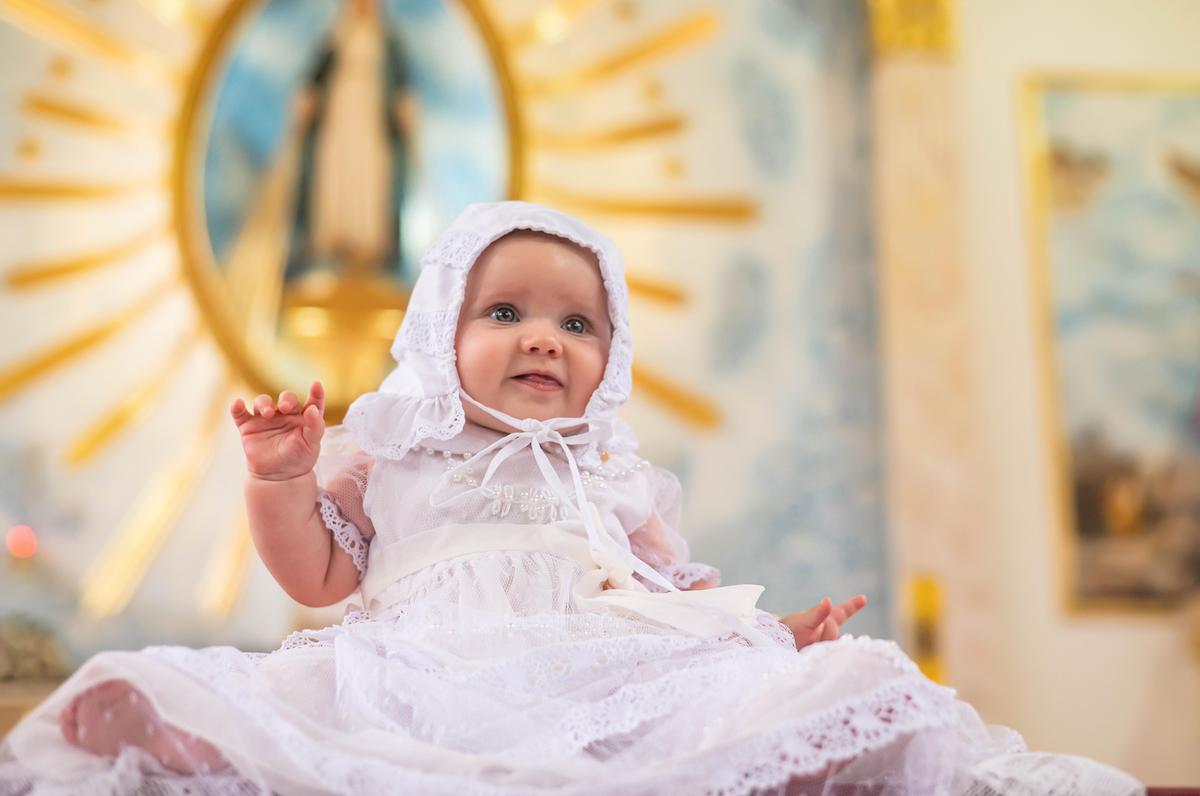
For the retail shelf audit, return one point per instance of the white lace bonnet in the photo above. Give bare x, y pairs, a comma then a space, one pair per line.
421, 398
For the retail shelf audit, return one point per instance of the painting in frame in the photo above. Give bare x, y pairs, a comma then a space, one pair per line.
1113, 173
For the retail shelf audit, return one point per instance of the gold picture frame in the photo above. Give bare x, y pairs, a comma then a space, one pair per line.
1114, 506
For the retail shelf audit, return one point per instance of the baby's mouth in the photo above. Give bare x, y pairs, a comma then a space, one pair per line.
539, 381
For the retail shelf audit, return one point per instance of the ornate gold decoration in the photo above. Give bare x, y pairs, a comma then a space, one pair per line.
1037, 165
25, 372
691, 407
924, 27
674, 167
122, 564
346, 325
303, 313
684, 33
549, 23
29, 148
62, 67
729, 209
654, 289
176, 13
131, 407
665, 124
62, 27
42, 272
224, 578
37, 190
361, 304
925, 615
64, 111
626, 10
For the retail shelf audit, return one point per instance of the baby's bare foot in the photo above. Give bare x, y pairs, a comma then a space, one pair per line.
109, 716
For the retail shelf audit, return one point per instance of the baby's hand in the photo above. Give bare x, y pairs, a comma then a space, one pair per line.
281, 441
822, 622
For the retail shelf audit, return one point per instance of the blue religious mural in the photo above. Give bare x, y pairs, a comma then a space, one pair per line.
801, 325
384, 115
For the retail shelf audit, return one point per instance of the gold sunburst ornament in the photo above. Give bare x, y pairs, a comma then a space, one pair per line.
115, 110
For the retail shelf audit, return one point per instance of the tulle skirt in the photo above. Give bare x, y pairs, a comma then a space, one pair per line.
436, 696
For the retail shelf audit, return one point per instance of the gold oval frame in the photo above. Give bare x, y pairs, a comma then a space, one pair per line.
190, 225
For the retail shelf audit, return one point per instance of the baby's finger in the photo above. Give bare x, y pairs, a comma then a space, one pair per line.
850, 608
313, 427
810, 620
316, 397
288, 403
264, 406
239, 412
819, 613
829, 630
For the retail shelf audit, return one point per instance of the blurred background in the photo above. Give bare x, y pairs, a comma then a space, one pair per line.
915, 287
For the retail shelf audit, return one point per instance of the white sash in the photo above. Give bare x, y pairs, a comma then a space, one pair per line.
704, 612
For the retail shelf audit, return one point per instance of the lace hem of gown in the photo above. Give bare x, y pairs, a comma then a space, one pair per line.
906, 731
345, 533
801, 747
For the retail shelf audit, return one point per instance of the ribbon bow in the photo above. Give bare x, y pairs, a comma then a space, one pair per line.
534, 434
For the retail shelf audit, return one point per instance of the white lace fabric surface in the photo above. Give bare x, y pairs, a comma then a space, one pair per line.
481, 673
398, 497
347, 535
576, 667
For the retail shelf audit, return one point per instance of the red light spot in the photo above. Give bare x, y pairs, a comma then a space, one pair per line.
21, 541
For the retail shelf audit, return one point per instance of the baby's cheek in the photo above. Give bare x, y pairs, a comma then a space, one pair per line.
600, 361
589, 376
464, 376
471, 363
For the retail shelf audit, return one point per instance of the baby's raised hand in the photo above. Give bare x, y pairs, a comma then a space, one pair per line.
281, 441
822, 622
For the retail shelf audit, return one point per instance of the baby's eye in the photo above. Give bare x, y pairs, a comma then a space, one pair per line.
503, 314
575, 325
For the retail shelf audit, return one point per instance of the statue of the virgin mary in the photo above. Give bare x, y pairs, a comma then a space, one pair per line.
321, 242
357, 119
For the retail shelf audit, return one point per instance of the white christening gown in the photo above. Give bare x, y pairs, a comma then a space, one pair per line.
490, 658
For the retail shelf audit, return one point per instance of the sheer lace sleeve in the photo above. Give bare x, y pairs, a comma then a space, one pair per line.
341, 505
659, 544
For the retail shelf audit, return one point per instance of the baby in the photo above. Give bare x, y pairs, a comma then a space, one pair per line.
532, 621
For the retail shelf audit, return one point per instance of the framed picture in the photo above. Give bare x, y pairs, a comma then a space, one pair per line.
1114, 179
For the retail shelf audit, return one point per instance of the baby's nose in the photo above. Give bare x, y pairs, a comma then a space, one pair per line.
541, 342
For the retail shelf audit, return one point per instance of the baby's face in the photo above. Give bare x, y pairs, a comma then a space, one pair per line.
534, 331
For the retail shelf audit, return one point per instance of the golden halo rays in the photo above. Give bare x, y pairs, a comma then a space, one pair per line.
220, 586
49, 108
64, 28
122, 564
131, 406
44, 362
38, 273
133, 548
686, 32
548, 24
552, 23
659, 126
